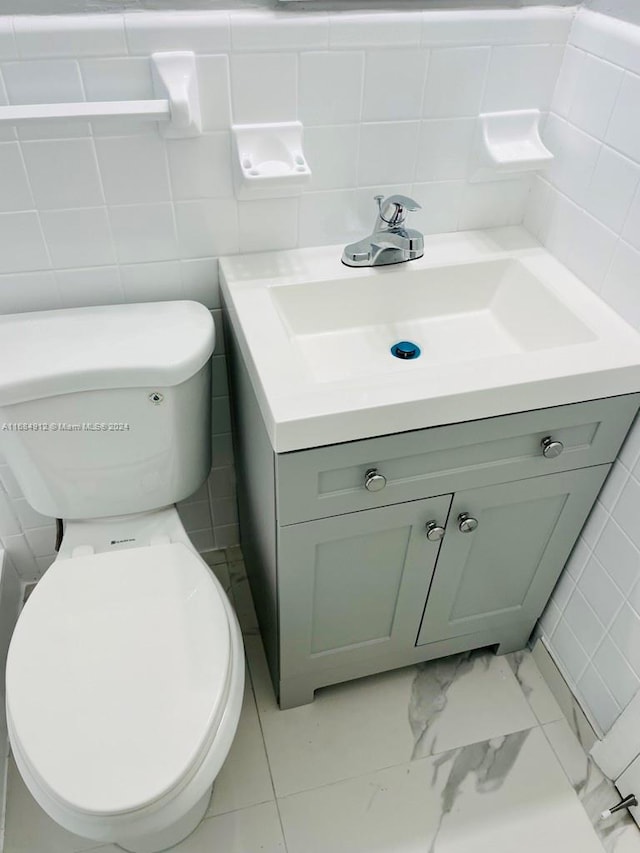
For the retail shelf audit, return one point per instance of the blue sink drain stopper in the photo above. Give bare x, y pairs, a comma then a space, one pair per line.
405, 350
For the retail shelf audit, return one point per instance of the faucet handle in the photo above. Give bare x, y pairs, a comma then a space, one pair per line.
393, 210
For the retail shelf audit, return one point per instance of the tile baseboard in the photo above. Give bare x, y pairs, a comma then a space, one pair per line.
569, 704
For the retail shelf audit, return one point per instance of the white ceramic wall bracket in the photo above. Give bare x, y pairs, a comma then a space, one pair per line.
175, 78
269, 161
176, 106
507, 144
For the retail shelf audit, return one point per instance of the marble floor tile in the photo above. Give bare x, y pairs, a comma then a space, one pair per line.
386, 719
221, 571
237, 568
542, 701
234, 554
349, 729
241, 598
244, 779
619, 833
253, 830
465, 699
215, 556
581, 771
28, 829
499, 796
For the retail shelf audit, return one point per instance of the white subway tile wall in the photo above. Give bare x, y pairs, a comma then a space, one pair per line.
587, 211
110, 211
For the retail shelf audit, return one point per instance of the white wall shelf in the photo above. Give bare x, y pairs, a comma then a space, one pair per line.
508, 144
177, 105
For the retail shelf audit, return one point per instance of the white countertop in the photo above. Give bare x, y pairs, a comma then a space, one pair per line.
301, 409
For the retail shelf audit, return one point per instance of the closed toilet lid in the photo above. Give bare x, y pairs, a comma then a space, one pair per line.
117, 676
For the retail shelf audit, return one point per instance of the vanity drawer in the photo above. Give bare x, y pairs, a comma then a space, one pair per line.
330, 480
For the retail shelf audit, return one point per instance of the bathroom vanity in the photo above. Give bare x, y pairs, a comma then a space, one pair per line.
433, 518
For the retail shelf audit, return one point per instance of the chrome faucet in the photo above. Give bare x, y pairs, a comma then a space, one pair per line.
390, 242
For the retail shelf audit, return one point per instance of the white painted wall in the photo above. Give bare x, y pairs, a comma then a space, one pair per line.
587, 212
108, 213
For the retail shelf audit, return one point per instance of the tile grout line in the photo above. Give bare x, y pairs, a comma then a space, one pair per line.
249, 673
415, 762
264, 745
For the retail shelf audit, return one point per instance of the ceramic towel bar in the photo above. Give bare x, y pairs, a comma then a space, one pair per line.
177, 102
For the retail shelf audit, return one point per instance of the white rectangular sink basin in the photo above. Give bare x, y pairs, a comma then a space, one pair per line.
501, 325
459, 313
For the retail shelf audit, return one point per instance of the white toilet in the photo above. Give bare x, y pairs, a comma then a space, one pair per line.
125, 672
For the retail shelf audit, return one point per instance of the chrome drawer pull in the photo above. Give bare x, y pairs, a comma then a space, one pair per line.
550, 448
373, 481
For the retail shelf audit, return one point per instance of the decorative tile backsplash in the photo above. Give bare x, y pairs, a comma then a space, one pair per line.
109, 211
586, 210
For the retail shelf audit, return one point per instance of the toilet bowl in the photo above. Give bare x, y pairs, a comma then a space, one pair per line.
125, 672
119, 736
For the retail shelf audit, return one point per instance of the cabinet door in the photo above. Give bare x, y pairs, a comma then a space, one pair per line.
354, 585
502, 573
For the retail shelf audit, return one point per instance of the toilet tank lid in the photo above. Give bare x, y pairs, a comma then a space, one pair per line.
46, 353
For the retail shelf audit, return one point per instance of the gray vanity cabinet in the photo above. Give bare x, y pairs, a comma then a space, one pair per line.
345, 579
354, 585
499, 574
364, 588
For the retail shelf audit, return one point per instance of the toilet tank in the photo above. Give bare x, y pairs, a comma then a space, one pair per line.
106, 410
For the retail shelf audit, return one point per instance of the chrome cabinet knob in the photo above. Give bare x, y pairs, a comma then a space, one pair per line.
373, 481
466, 523
550, 448
435, 532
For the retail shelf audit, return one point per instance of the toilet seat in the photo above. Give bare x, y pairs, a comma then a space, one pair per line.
118, 677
